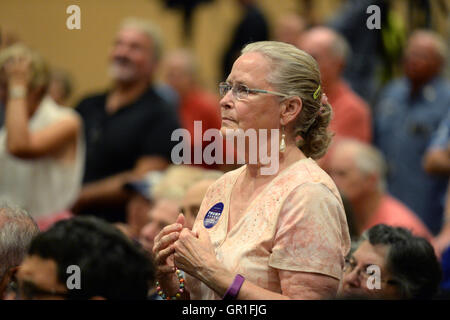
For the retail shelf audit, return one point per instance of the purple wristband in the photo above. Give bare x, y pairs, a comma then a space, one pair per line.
233, 290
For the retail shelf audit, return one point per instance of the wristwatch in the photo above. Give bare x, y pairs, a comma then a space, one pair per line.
17, 92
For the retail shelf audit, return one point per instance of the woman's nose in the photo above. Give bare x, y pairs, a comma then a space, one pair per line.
227, 101
353, 278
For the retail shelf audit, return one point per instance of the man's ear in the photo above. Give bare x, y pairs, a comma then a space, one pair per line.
290, 109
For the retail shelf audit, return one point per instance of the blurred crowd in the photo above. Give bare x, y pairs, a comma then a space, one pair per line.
95, 182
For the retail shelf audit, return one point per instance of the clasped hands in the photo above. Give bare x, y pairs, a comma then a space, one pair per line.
177, 246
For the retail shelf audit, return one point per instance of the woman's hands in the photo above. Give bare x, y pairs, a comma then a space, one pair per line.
189, 251
194, 254
163, 247
180, 247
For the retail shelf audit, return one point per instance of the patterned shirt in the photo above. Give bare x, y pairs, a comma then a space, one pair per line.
296, 223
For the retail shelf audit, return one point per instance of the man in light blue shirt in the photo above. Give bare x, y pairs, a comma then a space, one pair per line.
408, 112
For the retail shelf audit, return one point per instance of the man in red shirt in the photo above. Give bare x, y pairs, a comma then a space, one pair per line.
351, 114
195, 103
358, 170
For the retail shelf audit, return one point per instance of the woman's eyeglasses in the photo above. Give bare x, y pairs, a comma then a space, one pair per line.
241, 91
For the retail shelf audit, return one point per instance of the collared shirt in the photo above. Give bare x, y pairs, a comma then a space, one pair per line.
441, 137
392, 212
404, 125
114, 142
351, 114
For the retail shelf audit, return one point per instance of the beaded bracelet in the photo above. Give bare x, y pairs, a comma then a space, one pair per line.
180, 290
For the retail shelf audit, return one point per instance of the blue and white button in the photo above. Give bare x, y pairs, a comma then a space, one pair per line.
213, 215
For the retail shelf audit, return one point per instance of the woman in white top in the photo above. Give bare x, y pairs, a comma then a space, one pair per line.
41, 148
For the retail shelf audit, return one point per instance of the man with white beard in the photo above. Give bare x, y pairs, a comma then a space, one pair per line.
128, 128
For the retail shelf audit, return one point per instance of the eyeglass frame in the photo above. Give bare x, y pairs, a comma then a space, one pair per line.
247, 89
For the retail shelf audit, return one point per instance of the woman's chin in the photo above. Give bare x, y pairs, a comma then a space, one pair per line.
227, 129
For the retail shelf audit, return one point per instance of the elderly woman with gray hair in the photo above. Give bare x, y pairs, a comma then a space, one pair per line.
264, 236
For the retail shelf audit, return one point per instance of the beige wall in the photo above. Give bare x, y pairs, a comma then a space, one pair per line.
42, 25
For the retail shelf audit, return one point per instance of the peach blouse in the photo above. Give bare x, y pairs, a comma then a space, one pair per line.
296, 223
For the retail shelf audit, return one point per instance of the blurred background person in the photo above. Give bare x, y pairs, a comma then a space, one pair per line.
437, 162
140, 203
408, 266
7, 38
128, 128
162, 214
17, 229
110, 265
368, 46
351, 114
60, 87
359, 170
252, 27
171, 195
442, 246
41, 145
408, 112
190, 205
437, 157
195, 103
289, 28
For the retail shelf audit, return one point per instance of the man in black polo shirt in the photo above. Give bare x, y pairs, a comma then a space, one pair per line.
128, 128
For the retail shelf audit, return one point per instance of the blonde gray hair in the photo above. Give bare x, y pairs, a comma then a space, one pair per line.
368, 160
296, 73
17, 229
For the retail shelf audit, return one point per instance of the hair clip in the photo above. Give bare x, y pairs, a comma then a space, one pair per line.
316, 93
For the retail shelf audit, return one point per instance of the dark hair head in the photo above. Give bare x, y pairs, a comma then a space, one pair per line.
111, 265
411, 260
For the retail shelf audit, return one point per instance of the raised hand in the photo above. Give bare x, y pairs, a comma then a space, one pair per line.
18, 71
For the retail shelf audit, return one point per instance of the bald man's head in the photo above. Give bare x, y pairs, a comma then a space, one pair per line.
180, 71
330, 50
357, 168
290, 28
424, 56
